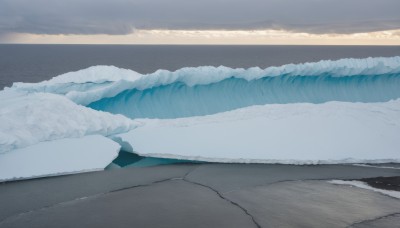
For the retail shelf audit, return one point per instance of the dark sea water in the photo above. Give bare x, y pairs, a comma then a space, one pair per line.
34, 63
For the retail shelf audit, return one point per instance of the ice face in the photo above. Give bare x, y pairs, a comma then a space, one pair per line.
180, 100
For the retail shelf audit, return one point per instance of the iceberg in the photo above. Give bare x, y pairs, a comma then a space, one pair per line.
341, 111
58, 157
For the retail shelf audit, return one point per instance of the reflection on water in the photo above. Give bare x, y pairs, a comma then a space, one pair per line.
127, 159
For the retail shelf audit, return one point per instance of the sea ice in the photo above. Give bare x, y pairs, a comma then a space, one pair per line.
333, 132
307, 114
58, 157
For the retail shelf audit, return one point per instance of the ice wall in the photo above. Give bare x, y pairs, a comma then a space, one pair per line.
180, 100
205, 90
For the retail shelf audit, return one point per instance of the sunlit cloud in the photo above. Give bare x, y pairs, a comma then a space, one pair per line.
164, 36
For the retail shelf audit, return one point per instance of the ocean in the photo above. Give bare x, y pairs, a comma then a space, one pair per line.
34, 63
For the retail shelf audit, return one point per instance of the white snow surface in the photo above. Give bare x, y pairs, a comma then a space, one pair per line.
94, 83
58, 157
364, 185
333, 132
27, 119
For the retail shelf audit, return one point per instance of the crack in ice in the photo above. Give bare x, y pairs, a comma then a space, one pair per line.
374, 219
227, 200
69, 202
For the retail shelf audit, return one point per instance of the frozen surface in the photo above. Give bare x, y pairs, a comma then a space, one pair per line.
334, 132
363, 185
340, 111
64, 156
135, 195
27, 119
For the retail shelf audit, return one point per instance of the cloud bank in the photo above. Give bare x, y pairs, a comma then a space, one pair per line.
119, 17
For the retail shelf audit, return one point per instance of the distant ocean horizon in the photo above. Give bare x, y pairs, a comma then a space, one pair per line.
34, 63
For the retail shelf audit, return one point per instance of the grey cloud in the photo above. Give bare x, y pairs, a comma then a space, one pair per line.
123, 16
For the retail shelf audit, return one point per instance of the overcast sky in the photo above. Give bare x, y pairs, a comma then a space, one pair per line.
118, 17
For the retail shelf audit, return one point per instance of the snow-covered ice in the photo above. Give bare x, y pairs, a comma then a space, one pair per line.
334, 132
341, 111
58, 157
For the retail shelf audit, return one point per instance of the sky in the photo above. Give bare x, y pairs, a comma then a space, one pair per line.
363, 22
